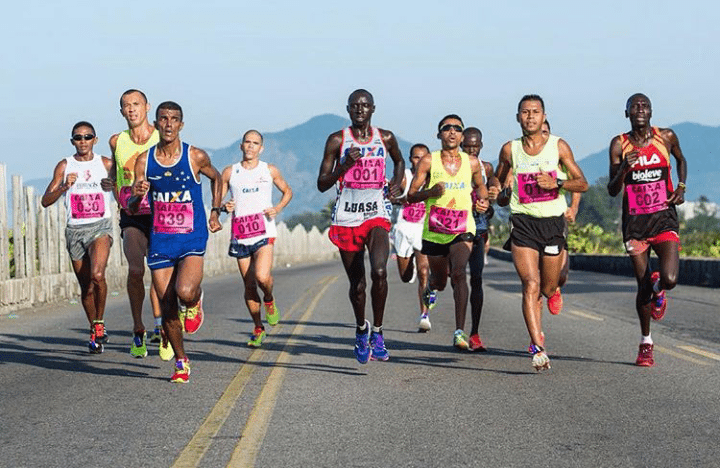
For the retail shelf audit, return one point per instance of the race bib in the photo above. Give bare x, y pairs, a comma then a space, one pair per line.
173, 218
246, 226
414, 213
87, 205
530, 192
126, 193
366, 173
646, 198
447, 220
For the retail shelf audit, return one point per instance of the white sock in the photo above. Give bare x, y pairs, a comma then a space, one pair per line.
377, 329
646, 339
364, 326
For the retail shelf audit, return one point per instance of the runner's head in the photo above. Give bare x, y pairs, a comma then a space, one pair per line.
252, 145
83, 137
450, 131
360, 106
134, 107
169, 120
417, 152
472, 141
638, 109
531, 114
546, 128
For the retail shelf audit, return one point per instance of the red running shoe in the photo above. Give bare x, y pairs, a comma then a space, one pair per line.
476, 343
659, 301
555, 302
194, 317
182, 371
645, 355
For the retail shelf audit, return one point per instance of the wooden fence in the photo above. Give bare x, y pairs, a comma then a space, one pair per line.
38, 270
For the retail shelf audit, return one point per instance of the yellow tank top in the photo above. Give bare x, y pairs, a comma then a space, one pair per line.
527, 197
450, 214
126, 153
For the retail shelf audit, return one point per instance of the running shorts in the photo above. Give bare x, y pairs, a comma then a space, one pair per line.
79, 238
141, 222
546, 235
640, 246
353, 239
239, 250
408, 239
434, 249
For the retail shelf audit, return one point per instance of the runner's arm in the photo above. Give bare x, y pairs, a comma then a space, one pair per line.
504, 174
416, 192
57, 185
576, 182
398, 162
618, 167
140, 186
330, 169
284, 188
678, 196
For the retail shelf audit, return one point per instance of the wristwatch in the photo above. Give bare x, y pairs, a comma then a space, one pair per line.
559, 183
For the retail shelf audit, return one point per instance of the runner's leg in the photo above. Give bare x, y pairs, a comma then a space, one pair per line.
164, 283
527, 265
457, 260
98, 252
354, 263
135, 248
477, 263
423, 274
378, 244
252, 299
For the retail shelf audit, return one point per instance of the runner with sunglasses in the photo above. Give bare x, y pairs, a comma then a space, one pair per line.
88, 234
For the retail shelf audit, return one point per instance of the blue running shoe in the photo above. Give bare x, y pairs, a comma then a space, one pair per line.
378, 352
429, 298
362, 347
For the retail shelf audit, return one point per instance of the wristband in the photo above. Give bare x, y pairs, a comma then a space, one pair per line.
681, 185
217, 209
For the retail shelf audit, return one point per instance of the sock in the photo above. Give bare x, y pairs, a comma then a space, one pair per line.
646, 339
377, 329
459, 330
359, 329
158, 322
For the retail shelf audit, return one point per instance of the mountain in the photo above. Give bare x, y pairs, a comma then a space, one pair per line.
297, 152
699, 143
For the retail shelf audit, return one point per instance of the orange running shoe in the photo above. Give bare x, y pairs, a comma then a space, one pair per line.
555, 302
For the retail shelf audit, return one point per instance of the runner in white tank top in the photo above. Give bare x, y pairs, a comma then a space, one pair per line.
82, 178
253, 232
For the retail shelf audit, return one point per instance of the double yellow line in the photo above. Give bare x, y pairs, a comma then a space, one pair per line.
250, 442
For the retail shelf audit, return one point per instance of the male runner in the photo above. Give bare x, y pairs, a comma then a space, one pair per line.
354, 161
89, 223
444, 180
538, 226
125, 147
472, 145
407, 233
169, 174
640, 167
253, 226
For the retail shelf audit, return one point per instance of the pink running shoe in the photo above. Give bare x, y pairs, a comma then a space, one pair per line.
659, 301
645, 355
555, 302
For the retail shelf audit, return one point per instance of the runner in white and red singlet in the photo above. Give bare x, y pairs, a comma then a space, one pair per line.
354, 161
640, 168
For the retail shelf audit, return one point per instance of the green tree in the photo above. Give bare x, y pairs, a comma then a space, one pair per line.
308, 219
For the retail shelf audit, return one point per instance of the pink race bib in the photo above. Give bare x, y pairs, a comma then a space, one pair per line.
414, 213
87, 205
530, 192
447, 220
366, 173
173, 218
246, 226
646, 198
126, 193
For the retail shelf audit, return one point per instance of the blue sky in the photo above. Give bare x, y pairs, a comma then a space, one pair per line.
272, 65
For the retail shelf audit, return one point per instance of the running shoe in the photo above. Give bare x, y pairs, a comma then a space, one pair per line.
93, 346
424, 324
645, 355
542, 342
540, 360
182, 371
182, 311
476, 343
378, 352
555, 302
156, 336
101, 335
272, 314
138, 348
429, 297
362, 346
460, 340
659, 302
194, 317
257, 337
165, 350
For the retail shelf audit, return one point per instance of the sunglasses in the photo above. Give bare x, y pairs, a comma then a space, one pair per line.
86, 137
448, 127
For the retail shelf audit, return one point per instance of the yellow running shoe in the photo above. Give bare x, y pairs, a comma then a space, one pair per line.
272, 314
166, 351
257, 337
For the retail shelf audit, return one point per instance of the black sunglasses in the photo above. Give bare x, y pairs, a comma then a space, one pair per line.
86, 137
448, 127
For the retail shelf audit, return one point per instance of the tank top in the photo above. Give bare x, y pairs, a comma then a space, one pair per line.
527, 196
175, 200
252, 191
362, 190
126, 153
647, 187
449, 215
412, 214
481, 219
85, 201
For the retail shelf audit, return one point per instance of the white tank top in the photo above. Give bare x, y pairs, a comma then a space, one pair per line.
410, 213
252, 192
361, 191
85, 201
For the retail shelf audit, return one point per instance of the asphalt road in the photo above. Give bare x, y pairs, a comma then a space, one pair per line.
303, 400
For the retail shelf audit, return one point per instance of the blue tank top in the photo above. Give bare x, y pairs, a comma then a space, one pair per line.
179, 223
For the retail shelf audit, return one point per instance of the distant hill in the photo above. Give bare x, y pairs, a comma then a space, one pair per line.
700, 145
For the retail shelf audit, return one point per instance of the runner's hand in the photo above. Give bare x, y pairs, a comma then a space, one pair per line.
629, 161
70, 180
394, 191
570, 215
493, 192
107, 184
271, 212
140, 188
214, 222
437, 190
482, 205
546, 181
677, 197
230, 206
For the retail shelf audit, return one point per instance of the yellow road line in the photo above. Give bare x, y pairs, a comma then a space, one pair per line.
586, 315
193, 452
701, 352
257, 424
681, 356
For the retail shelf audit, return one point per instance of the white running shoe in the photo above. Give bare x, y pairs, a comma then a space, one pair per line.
541, 361
424, 323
